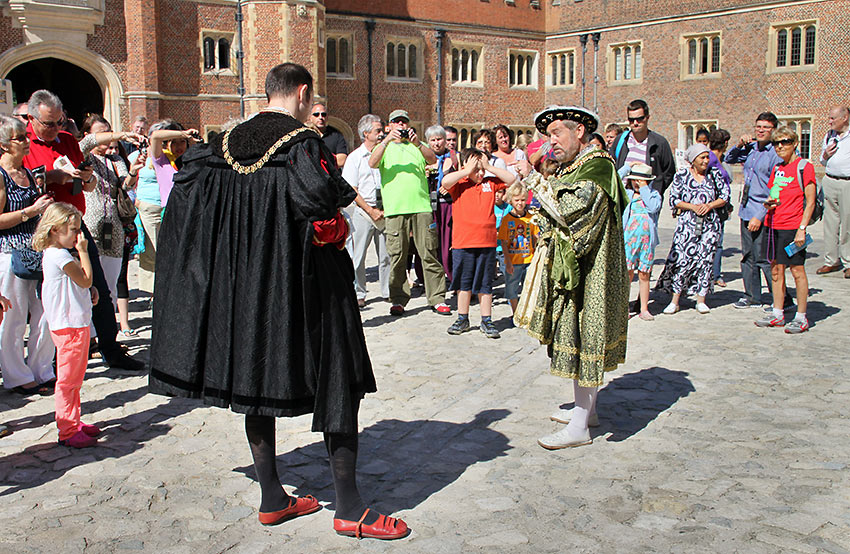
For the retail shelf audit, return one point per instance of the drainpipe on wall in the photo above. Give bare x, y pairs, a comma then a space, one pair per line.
370, 28
441, 34
583, 40
240, 56
595, 37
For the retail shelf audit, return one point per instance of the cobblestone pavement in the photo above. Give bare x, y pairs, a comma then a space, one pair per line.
715, 436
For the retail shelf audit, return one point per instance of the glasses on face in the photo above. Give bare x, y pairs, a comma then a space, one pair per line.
765, 127
399, 121
22, 116
638, 119
783, 142
52, 124
320, 114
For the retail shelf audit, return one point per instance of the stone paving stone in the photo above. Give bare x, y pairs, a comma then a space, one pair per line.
721, 438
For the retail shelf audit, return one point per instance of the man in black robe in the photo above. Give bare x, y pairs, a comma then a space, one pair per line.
255, 308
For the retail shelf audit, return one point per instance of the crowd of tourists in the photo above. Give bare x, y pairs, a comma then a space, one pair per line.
566, 220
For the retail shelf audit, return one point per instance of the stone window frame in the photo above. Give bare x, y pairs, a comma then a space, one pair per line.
217, 36
636, 50
527, 130
474, 65
551, 75
788, 27
465, 132
211, 129
337, 36
698, 47
407, 42
518, 63
803, 125
688, 130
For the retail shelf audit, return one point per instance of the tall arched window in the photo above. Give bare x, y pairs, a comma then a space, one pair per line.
411, 61
209, 54
391, 59
401, 61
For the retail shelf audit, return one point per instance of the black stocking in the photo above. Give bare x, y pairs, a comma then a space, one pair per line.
260, 433
342, 449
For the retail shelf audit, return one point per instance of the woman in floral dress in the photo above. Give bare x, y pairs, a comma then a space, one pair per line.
696, 193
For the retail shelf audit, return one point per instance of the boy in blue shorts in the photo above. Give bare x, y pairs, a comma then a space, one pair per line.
474, 236
518, 235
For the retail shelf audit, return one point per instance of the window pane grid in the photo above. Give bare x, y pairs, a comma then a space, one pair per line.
715, 55
810, 45
796, 37
781, 48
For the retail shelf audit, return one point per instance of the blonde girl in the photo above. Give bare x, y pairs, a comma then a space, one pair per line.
67, 307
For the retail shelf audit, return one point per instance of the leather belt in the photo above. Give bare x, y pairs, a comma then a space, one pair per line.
837, 177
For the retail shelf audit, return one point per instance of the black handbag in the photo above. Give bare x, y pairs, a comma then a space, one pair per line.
126, 208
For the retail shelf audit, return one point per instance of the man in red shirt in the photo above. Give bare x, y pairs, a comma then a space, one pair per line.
474, 236
47, 144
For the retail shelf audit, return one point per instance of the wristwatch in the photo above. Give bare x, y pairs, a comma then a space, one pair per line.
802, 227
24, 216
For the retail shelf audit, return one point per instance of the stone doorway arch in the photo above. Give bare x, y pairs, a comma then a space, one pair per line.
98, 67
346, 131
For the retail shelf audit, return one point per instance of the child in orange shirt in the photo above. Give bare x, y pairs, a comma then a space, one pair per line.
518, 236
474, 236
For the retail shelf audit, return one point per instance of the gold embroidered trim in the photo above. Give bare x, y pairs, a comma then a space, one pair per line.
577, 164
256, 166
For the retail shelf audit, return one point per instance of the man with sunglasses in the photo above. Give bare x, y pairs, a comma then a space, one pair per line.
20, 111
640, 145
759, 158
48, 142
331, 136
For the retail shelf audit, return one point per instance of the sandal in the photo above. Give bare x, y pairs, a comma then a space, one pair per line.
29, 391
385, 528
126, 333
297, 507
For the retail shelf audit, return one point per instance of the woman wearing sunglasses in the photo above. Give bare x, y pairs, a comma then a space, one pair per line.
790, 205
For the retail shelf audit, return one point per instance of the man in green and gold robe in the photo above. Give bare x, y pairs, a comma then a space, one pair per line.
580, 289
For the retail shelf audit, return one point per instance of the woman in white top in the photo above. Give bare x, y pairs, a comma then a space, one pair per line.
505, 151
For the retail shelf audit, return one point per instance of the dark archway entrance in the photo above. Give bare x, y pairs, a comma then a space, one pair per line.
79, 91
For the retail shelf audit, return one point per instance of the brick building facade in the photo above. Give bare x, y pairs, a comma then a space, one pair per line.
468, 63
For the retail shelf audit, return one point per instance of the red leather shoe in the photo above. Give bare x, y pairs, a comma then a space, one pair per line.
385, 528
300, 507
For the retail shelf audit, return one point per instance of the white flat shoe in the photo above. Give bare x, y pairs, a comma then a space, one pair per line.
703, 308
563, 439
671, 309
564, 416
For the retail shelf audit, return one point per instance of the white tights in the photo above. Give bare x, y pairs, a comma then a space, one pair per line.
585, 406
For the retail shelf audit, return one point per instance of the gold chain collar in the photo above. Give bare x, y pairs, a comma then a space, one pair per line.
256, 166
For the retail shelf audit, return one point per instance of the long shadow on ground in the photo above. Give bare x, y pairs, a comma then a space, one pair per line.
401, 463
629, 403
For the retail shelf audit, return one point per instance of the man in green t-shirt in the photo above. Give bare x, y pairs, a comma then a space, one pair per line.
401, 158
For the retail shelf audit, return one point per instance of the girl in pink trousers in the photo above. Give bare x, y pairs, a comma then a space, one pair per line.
67, 307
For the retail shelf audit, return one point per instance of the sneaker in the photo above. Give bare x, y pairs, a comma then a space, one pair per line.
90, 430
796, 326
489, 330
442, 309
770, 320
79, 440
458, 327
767, 308
743, 303
396, 310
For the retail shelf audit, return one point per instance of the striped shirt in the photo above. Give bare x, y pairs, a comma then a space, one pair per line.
18, 198
637, 150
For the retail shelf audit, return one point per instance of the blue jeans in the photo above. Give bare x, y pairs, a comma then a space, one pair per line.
753, 260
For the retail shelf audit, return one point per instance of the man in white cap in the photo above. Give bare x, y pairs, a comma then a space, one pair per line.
581, 308
401, 158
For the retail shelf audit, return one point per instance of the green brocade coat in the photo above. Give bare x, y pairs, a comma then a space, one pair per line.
582, 312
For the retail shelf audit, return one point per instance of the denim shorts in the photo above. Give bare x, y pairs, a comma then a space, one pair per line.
473, 269
513, 281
